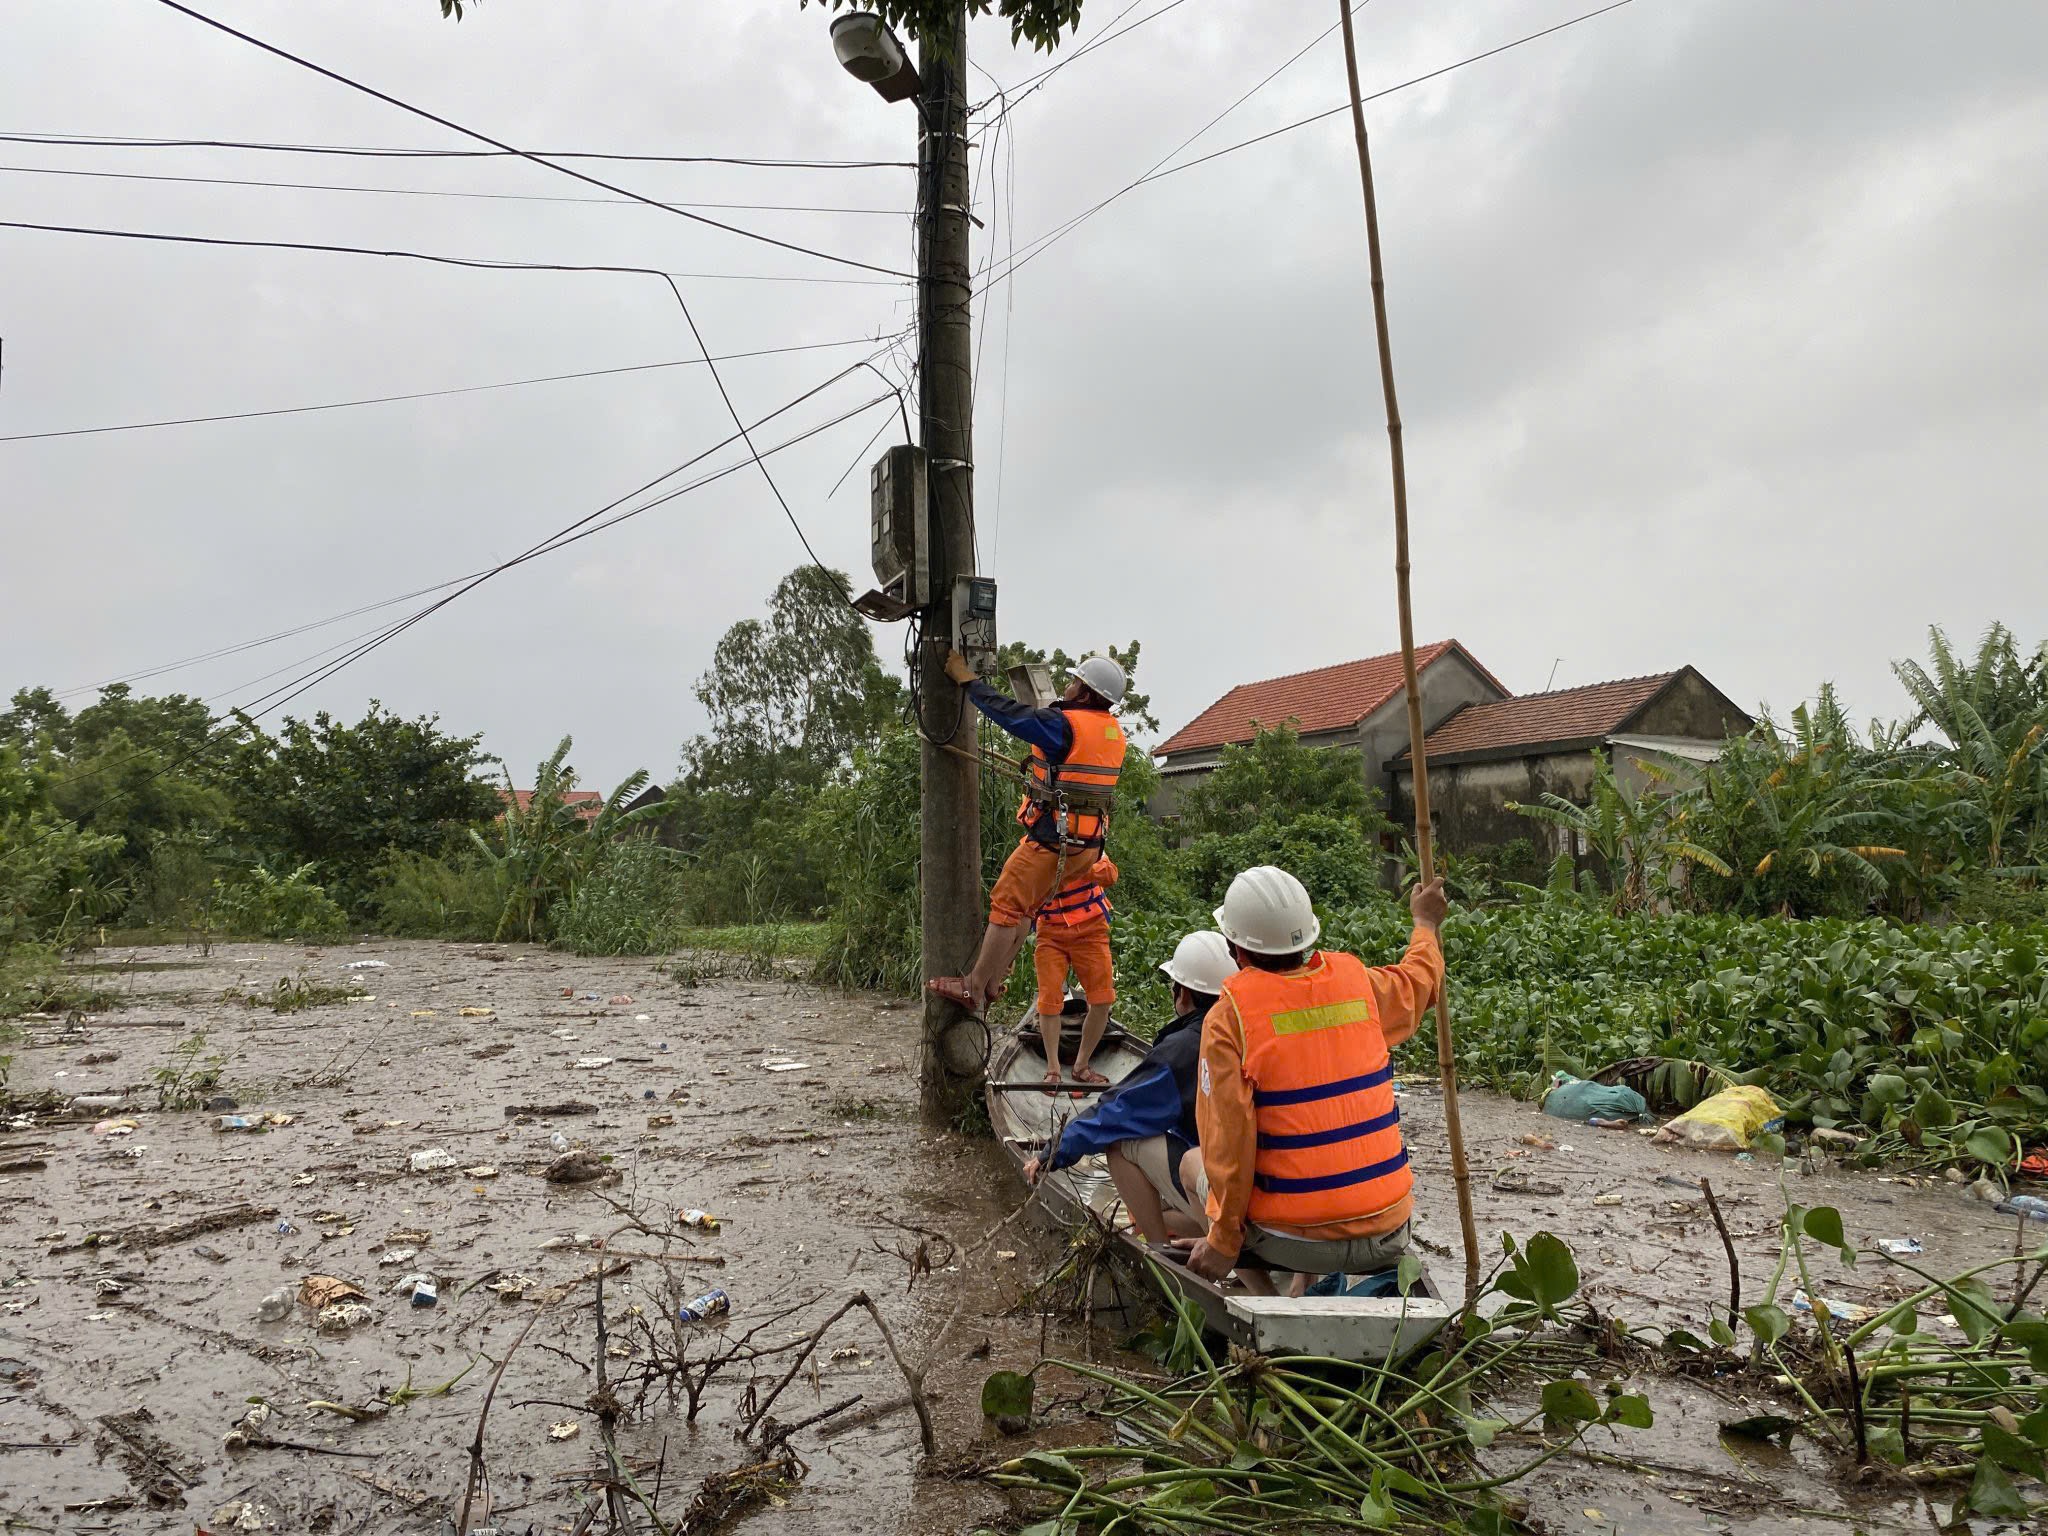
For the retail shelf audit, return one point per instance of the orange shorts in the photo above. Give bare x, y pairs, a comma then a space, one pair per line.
1028, 876
1082, 948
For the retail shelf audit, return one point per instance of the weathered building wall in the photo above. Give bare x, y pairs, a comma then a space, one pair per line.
1693, 707
1468, 802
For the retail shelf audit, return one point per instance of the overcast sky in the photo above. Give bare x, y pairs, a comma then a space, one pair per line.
1720, 331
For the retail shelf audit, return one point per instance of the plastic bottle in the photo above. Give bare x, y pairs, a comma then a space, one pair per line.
700, 1221
700, 1308
275, 1307
2033, 1207
559, 1142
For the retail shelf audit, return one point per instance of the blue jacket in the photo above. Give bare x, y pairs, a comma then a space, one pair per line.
1157, 1098
1049, 730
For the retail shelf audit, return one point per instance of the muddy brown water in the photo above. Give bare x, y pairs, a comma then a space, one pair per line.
123, 1364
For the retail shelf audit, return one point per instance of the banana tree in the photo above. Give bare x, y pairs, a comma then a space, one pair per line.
1637, 834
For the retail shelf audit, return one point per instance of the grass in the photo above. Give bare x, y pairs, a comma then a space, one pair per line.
781, 940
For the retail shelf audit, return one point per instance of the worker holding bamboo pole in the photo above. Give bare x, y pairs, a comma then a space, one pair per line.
1301, 1163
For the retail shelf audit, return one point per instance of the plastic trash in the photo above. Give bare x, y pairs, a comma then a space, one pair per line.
275, 1307
701, 1308
240, 1123
1727, 1122
322, 1291
1987, 1191
697, 1221
785, 1066
286, 1228
2033, 1207
592, 1063
432, 1160
1575, 1098
117, 1127
620, 1001
1900, 1244
344, 1316
99, 1101
367, 965
558, 1141
1840, 1311
424, 1293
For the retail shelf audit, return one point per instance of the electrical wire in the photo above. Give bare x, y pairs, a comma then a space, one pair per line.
486, 263
129, 141
497, 197
1037, 247
564, 170
574, 532
1031, 83
426, 394
606, 186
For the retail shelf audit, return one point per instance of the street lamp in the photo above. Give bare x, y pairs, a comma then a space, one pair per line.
869, 51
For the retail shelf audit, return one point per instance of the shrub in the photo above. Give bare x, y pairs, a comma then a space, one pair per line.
629, 903
287, 906
418, 896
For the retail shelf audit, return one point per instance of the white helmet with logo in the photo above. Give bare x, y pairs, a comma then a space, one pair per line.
1201, 962
1104, 676
1267, 911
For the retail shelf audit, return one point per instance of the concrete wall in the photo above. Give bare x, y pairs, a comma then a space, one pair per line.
1468, 801
1693, 707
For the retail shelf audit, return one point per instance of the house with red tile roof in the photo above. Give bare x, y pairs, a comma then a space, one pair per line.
585, 802
1360, 705
1490, 754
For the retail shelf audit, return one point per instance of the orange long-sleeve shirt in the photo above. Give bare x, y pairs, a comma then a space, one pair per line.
1228, 1124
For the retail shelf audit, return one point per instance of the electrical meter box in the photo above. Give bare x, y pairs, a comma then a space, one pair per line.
974, 622
1031, 683
897, 524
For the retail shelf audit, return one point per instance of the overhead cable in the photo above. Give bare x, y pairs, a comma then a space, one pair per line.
1037, 247
484, 138
495, 197
126, 141
426, 394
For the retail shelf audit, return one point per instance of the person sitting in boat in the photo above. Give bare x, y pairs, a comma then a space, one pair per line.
1147, 1121
1300, 1161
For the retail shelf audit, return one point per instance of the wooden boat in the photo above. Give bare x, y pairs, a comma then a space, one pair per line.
1025, 1118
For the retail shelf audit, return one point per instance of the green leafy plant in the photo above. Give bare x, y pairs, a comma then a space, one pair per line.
288, 906
190, 1075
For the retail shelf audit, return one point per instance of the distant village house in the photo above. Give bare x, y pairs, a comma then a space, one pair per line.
1487, 747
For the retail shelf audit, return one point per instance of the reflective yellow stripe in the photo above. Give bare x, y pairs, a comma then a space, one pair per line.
1302, 1021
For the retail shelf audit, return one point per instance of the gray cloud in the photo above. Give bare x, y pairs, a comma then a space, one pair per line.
1719, 333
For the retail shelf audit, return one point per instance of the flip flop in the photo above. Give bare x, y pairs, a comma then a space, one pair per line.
1053, 1080
954, 989
1090, 1077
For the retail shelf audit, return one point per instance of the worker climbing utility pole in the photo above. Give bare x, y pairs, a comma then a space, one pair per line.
949, 886
1447, 1065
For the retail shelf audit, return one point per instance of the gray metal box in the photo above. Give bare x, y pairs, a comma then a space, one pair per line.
897, 525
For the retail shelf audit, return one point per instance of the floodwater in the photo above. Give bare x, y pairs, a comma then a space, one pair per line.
132, 1266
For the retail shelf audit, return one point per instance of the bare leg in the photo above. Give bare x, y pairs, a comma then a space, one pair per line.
1092, 1031
1049, 1033
999, 947
1139, 1197
1255, 1281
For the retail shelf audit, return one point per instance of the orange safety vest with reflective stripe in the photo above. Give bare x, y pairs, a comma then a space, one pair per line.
1083, 900
1330, 1145
1081, 787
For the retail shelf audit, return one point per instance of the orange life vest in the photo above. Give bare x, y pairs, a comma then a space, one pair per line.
1082, 787
1330, 1145
1083, 900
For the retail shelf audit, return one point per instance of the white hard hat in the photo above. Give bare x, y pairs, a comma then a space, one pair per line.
1267, 911
1201, 962
1104, 676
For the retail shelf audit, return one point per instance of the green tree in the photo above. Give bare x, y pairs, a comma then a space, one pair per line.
1274, 775
54, 878
791, 698
1993, 709
1136, 709
343, 798
1041, 23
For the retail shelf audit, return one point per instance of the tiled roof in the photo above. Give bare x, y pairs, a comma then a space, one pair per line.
1537, 719
1327, 699
588, 802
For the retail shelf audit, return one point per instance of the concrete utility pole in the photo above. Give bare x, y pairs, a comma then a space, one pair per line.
949, 894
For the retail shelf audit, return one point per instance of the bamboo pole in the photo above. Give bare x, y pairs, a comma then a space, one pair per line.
1446, 1058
